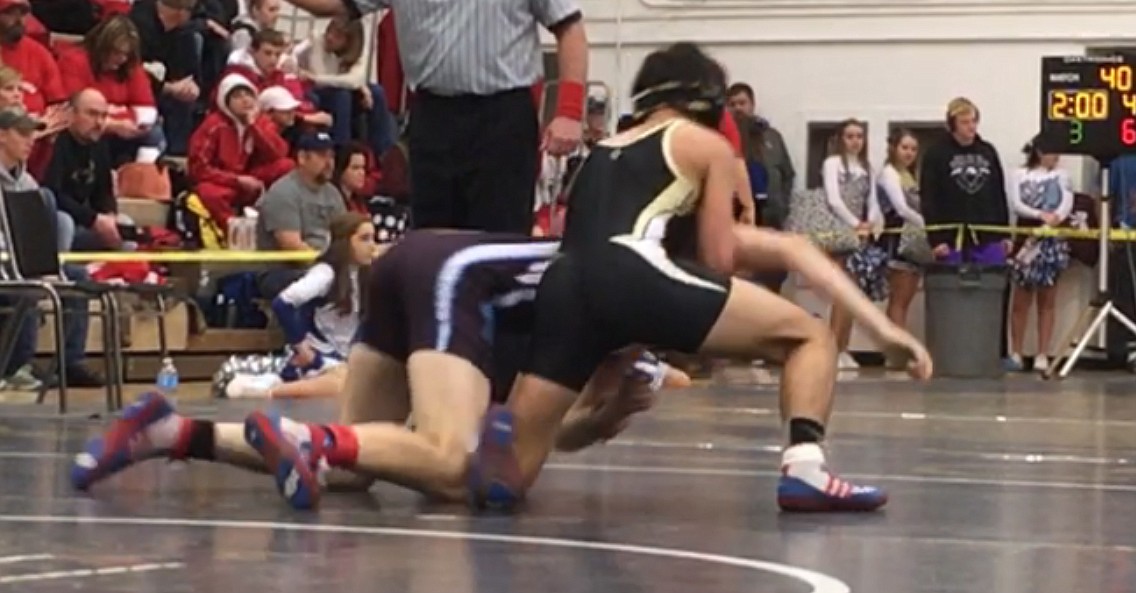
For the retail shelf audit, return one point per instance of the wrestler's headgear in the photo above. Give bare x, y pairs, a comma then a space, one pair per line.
681, 77
701, 103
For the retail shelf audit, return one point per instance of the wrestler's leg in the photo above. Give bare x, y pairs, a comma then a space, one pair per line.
296, 453
752, 322
375, 389
758, 322
449, 396
150, 428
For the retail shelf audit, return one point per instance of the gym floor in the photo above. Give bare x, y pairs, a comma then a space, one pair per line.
1011, 486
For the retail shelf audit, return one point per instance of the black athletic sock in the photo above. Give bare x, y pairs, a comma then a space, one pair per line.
202, 441
803, 430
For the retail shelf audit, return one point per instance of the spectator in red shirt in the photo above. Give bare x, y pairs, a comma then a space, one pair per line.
41, 82
261, 65
109, 60
236, 152
12, 96
109, 8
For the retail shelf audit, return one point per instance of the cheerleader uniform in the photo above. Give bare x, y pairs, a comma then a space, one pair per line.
850, 192
307, 315
899, 205
851, 195
1039, 261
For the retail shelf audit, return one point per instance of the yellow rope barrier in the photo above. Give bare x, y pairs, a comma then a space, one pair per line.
208, 257
219, 256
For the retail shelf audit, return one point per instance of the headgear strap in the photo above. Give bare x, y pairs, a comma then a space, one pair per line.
699, 102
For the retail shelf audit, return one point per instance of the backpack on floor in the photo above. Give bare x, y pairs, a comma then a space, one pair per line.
192, 222
233, 305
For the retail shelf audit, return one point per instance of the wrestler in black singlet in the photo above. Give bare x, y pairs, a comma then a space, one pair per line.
614, 284
452, 291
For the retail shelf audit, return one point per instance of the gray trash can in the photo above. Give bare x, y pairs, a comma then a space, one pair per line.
963, 319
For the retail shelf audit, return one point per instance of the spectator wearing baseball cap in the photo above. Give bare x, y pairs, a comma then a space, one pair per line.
18, 131
280, 105
42, 83
17, 135
236, 152
295, 213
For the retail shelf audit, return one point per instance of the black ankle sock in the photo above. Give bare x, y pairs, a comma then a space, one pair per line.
202, 444
803, 430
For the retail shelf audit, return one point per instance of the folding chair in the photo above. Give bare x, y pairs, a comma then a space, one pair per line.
32, 268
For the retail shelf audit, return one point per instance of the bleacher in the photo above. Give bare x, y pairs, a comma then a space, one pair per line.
199, 349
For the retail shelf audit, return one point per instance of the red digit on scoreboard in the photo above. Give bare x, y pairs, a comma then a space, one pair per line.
1128, 131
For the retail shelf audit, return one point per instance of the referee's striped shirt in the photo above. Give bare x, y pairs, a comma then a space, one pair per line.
480, 47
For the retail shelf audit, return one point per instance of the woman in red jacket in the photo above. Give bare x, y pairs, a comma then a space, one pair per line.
109, 60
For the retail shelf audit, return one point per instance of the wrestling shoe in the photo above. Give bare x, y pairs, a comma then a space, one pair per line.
125, 443
494, 474
286, 447
807, 486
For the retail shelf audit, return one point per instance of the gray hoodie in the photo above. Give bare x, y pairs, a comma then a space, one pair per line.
17, 179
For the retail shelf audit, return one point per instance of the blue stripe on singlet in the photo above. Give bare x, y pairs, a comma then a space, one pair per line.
450, 276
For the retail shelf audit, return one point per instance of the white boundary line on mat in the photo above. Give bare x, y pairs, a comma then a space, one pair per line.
818, 582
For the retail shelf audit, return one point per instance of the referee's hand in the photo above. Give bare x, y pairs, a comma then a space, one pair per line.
562, 136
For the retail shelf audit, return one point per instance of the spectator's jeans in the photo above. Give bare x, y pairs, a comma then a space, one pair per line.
75, 325
64, 224
75, 320
125, 150
177, 122
86, 240
340, 103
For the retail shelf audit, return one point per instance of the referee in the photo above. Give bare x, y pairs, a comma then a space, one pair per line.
474, 129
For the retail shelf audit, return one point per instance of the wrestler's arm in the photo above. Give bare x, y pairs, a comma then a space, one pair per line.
606, 405
761, 248
584, 424
351, 8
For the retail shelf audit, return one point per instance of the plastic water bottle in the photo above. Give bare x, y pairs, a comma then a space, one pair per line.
168, 379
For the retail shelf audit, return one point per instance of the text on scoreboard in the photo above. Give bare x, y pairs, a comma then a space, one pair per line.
1088, 104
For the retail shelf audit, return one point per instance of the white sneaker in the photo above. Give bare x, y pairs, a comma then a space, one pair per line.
1040, 363
252, 386
845, 362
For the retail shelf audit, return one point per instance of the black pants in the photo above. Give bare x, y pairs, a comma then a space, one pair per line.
473, 161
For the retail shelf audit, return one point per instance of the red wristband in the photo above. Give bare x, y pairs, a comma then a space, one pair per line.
570, 98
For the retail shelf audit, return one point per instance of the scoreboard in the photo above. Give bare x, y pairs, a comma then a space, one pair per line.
1088, 104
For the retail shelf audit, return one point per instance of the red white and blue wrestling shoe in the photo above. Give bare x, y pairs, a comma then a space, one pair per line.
125, 443
806, 485
287, 450
495, 480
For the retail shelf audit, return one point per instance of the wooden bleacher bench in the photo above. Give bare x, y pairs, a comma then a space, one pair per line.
145, 212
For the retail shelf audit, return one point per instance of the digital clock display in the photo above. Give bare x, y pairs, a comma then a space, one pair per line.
1088, 104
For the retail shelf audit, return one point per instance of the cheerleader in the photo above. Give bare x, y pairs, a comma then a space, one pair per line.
1039, 194
319, 314
900, 204
851, 194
